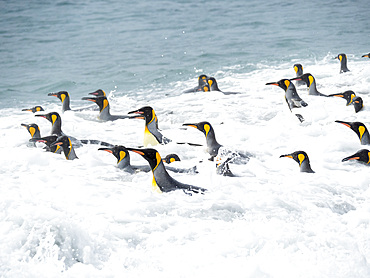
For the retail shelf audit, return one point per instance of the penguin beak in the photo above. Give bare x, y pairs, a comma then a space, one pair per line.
26, 126
286, 155
106, 149
136, 112
89, 98
352, 157
136, 151
366, 55
272, 83
136, 117
42, 116
192, 125
53, 95
343, 123
56, 143
296, 78
27, 110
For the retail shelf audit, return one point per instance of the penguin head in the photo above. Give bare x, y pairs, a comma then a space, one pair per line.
341, 57
283, 83
204, 127
358, 127
151, 155
357, 103
347, 95
33, 129
171, 158
98, 93
146, 113
37, 108
366, 55
52, 117
307, 78
298, 69
302, 159
66, 144
120, 152
202, 79
47, 140
101, 101
362, 156
213, 84
62, 95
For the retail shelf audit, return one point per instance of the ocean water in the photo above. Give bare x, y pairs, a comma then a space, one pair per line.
87, 218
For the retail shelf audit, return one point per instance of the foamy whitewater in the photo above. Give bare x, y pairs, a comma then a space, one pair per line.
87, 218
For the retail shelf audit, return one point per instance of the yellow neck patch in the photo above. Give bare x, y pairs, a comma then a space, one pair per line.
210, 82
70, 147
205, 88
310, 79
369, 158
154, 117
287, 83
63, 97
32, 131
105, 104
301, 157
155, 186
340, 58
38, 109
361, 130
172, 159
122, 155
296, 69
207, 128
53, 118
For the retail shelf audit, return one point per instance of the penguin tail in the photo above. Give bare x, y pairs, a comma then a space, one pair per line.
300, 117
97, 142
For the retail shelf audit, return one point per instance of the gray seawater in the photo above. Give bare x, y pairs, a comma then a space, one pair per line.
130, 46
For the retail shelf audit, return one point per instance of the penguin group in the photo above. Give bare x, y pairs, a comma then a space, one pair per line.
58, 142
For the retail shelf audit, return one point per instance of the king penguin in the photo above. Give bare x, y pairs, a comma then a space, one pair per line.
63, 96
358, 103
366, 55
171, 158
214, 87
152, 136
162, 181
360, 129
347, 95
202, 80
34, 109
362, 156
104, 109
298, 68
48, 141
308, 79
343, 62
302, 158
34, 131
67, 147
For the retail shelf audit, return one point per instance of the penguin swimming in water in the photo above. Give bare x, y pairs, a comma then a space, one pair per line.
104, 109
34, 131
162, 181
291, 96
347, 95
56, 129
360, 129
212, 85
308, 79
171, 158
358, 103
34, 109
202, 80
67, 147
123, 161
152, 136
343, 62
298, 68
302, 158
362, 156
63, 96
366, 55
48, 140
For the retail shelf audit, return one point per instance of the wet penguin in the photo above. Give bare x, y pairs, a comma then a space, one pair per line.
171, 158
212, 85
104, 109
343, 62
362, 156
66, 144
123, 161
63, 96
308, 79
152, 136
358, 103
360, 129
347, 95
162, 181
291, 96
302, 158
202, 80
48, 141
34, 109
298, 68
34, 131
366, 55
